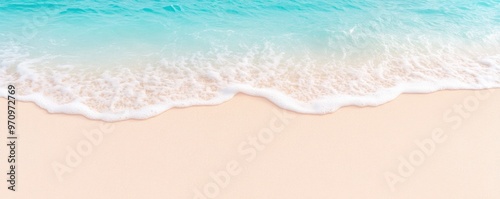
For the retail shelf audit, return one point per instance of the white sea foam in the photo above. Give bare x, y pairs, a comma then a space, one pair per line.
305, 84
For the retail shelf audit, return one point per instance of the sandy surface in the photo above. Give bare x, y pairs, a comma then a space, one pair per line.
439, 145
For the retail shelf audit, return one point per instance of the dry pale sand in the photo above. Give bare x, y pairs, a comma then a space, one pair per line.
439, 145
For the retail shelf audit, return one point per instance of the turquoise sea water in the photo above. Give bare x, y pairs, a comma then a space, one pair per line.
115, 59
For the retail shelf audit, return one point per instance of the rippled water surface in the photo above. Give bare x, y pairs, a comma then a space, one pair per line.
116, 60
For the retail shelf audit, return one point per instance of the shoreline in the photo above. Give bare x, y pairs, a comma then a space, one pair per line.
256, 97
247, 147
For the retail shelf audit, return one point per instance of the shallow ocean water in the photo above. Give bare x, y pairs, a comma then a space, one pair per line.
115, 60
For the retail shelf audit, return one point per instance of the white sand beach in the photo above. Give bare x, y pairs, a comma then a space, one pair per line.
438, 145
